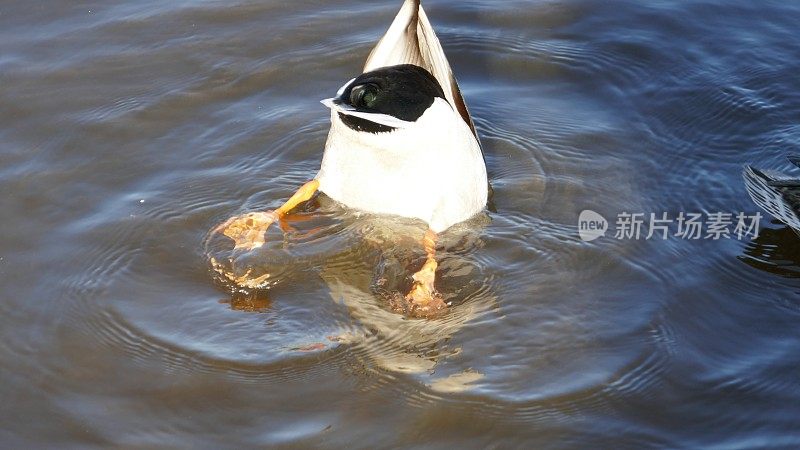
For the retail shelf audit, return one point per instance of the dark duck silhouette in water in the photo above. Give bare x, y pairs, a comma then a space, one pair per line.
776, 192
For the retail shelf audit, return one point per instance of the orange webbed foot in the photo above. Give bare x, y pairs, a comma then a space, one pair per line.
248, 230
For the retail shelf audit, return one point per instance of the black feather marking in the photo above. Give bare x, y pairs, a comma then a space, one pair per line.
405, 91
359, 124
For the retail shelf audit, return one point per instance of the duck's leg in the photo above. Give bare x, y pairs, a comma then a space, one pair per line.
247, 231
423, 298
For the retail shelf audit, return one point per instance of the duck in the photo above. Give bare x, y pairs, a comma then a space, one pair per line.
401, 143
776, 193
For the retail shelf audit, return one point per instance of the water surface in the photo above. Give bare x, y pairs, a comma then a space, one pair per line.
128, 129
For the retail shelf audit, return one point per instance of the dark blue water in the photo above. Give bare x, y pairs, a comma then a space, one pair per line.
129, 129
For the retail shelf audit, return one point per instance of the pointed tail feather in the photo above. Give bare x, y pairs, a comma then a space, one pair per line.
400, 44
412, 40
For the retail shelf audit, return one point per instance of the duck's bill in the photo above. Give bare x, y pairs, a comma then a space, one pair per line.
381, 119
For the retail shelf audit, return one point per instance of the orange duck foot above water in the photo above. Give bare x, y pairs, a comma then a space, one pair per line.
247, 231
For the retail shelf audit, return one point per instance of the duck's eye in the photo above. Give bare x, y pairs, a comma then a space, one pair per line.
364, 95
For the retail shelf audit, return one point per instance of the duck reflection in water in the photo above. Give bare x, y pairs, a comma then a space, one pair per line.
775, 250
362, 260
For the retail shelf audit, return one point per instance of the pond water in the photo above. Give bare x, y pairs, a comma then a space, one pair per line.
129, 129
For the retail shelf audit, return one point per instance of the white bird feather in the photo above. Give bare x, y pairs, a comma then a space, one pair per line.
431, 169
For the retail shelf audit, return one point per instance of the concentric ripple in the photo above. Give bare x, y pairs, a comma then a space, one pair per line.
131, 129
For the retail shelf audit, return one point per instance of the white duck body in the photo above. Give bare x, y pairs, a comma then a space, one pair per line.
431, 167
433, 171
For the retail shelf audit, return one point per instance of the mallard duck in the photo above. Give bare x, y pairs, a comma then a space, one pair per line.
401, 142
776, 193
